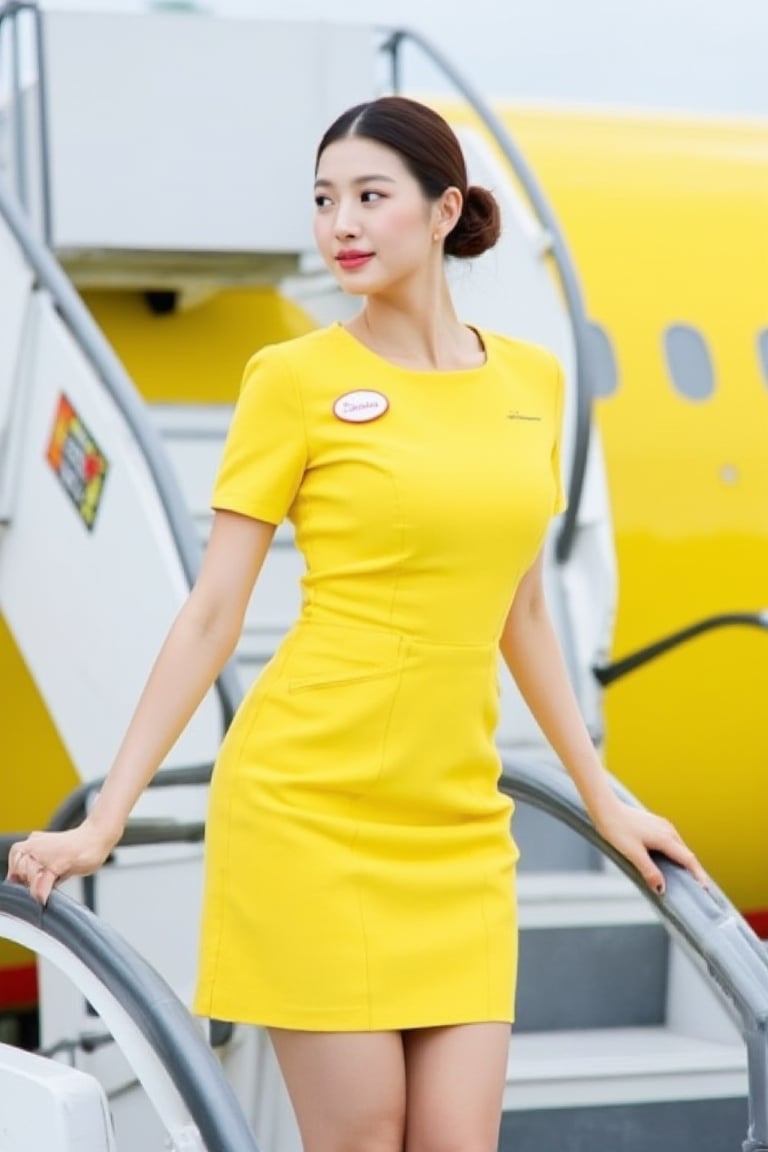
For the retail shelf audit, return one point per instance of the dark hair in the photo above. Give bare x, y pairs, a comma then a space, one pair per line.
430, 150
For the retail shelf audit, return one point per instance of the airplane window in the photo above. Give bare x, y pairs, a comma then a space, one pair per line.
689, 362
605, 375
762, 351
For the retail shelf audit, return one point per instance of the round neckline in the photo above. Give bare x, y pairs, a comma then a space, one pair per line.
450, 373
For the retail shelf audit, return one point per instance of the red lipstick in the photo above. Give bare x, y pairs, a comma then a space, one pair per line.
351, 258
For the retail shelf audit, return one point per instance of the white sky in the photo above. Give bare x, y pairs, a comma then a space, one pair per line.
704, 55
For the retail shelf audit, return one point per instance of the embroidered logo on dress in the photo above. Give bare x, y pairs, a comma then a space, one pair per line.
521, 416
360, 406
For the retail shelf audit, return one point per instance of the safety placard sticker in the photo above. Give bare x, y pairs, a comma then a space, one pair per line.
78, 461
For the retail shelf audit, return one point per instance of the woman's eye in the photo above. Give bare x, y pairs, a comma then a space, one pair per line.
322, 201
370, 197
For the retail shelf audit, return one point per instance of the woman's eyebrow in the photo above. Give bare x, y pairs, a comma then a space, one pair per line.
373, 179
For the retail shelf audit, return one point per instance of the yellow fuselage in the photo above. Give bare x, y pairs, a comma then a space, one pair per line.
667, 221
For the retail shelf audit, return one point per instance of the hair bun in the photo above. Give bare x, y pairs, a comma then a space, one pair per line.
479, 226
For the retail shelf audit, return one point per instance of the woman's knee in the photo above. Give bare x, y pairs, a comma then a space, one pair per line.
452, 1141
372, 1129
379, 1130
453, 1134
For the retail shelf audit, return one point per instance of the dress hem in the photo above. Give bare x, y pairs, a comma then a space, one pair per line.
404, 1023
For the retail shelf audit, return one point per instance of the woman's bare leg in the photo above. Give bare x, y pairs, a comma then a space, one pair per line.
455, 1080
347, 1088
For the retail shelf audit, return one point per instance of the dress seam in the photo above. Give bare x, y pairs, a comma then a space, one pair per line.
390, 629
364, 933
388, 724
384, 740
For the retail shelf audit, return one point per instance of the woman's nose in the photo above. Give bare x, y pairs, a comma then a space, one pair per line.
346, 223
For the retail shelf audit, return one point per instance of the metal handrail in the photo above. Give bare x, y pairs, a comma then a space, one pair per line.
153, 1007
605, 674
74, 807
569, 282
10, 11
119, 386
138, 832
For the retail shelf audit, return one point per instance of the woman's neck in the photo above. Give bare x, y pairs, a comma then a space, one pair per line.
425, 335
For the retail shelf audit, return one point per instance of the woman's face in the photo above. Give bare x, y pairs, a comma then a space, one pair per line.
374, 227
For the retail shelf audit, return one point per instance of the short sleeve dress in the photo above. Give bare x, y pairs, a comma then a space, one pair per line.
360, 866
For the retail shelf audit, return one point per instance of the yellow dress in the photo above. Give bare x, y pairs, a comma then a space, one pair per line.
359, 861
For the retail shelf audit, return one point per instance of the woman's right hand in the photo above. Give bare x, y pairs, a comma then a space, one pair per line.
45, 858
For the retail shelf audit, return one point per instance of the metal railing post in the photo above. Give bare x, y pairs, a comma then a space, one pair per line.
19, 135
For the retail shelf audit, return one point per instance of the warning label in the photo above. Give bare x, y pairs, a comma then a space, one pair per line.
77, 460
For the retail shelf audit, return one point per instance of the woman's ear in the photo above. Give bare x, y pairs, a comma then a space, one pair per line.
449, 208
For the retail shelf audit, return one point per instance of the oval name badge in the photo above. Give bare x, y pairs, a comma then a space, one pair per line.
360, 406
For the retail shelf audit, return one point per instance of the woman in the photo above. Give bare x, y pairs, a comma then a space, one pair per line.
359, 866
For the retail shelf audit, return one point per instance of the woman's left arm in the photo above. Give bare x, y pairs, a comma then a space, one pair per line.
532, 653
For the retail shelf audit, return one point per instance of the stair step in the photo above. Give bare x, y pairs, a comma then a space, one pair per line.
671, 1126
194, 436
581, 933
579, 898
599, 1067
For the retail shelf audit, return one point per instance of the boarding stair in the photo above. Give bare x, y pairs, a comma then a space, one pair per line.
641, 1020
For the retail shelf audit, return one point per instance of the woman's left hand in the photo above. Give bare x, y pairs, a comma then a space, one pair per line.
636, 833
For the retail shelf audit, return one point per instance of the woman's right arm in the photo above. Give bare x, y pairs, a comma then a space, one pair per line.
201, 640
